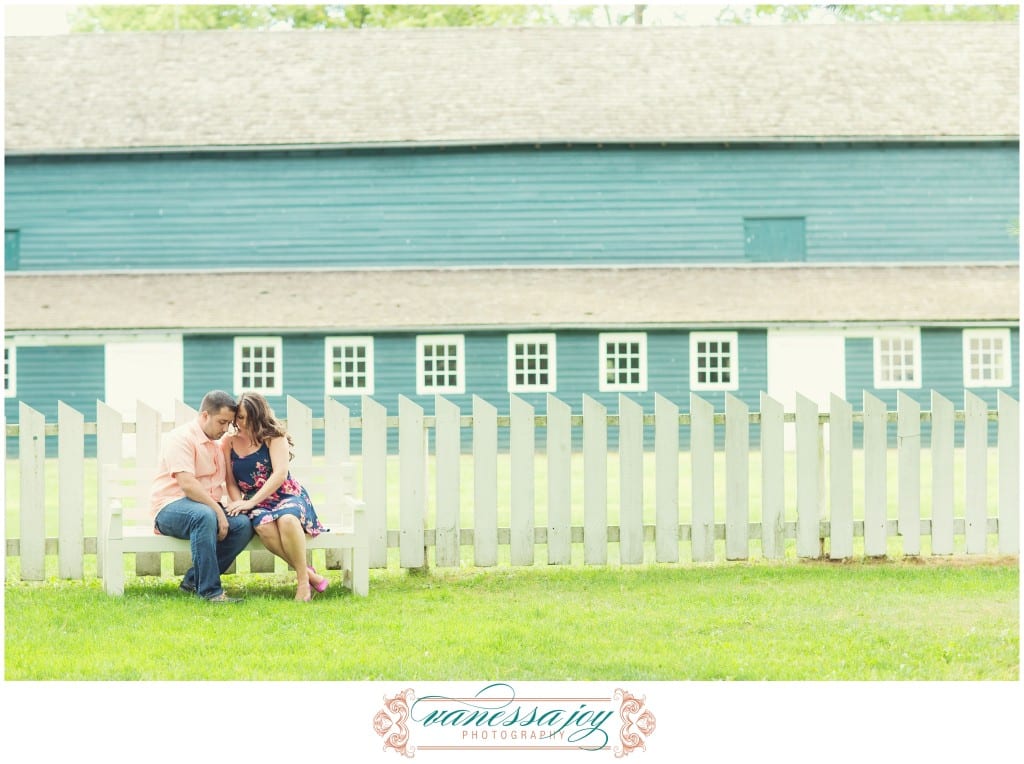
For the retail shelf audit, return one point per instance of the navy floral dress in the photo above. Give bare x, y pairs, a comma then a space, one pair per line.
252, 471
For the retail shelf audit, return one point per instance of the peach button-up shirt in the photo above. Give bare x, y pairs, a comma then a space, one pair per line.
187, 449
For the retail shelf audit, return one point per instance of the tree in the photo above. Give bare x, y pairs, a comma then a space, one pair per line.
118, 18
151, 18
750, 14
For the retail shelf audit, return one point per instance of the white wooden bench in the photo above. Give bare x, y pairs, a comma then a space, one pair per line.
126, 523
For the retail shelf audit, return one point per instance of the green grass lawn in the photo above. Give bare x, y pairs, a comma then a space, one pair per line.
956, 619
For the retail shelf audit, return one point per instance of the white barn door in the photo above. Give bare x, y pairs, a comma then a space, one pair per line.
809, 362
150, 370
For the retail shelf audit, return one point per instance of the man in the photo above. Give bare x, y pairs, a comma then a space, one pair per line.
187, 495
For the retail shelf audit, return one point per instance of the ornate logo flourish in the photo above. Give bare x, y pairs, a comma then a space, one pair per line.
637, 723
390, 723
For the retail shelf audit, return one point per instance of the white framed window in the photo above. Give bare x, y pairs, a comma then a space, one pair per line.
987, 358
898, 359
10, 369
531, 363
714, 361
258, 366
623, 362
349, 365
440, 364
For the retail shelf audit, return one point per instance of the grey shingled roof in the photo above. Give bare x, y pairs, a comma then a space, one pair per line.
501, 299
550, 84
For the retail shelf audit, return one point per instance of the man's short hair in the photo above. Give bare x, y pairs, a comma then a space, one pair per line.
215, 400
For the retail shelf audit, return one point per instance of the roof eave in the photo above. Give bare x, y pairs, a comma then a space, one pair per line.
540, 141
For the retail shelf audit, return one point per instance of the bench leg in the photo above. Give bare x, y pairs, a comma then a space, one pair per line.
360, 571
113, 568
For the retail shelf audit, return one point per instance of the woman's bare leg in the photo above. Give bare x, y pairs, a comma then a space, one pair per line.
293, 541
271, 538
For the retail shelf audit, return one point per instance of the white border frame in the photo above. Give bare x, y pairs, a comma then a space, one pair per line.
901, 334
459, 340
278, 345
550, 339
344, 341
1006, 378
733, 338
12, 368
602, 362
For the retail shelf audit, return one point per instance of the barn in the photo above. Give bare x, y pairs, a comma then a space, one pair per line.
512, 212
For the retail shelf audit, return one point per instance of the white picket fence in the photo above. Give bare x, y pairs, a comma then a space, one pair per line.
825, 473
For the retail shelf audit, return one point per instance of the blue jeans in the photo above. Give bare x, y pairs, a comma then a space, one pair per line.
187, 519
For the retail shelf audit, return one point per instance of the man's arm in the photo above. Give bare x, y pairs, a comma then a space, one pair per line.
194, 490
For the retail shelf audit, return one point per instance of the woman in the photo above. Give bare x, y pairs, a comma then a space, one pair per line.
260, 486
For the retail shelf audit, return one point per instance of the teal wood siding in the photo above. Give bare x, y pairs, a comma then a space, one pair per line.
941, 370
73, 374
498, 206
207, 365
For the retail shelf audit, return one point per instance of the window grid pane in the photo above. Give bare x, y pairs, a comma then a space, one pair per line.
986, 359
714, 362
349, 368
531, 364
622, 363
440, 366
259, 371
896, 360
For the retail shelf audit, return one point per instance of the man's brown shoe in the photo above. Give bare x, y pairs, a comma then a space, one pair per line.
222, 597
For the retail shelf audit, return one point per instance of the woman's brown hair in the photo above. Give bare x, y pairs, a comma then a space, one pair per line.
263, 425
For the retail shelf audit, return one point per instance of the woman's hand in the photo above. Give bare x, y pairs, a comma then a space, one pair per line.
240, 507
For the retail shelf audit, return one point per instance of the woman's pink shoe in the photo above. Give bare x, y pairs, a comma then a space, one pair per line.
322, 586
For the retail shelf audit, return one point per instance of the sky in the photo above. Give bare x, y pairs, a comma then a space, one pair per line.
35, 19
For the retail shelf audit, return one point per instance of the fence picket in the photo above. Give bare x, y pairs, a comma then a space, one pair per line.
71, 491
337, 424
299, 423
808, 474
942, 474
975, 473
908, 440
666, 488
300, 427
448, 440
840, 421
559, 448
631, 481
412, 504
702, 457
109, 447
875, 491
32, 453
521, 451
737, 478
183, 414
375, 479
595, 482
773, 475
485, 483
1009, 474
148, 429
